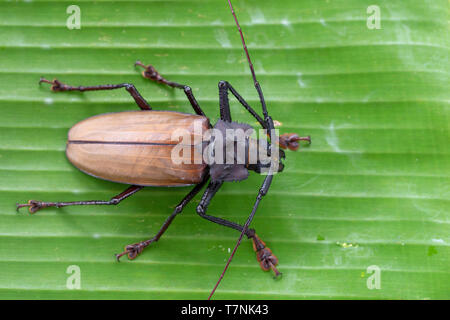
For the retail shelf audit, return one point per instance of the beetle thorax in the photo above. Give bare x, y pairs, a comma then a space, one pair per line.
230, 151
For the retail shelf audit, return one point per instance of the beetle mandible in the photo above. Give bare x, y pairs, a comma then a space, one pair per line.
135, 147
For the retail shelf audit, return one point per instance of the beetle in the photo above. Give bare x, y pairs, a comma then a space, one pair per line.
136, 148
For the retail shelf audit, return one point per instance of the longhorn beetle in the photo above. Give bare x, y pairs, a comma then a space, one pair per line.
135, 148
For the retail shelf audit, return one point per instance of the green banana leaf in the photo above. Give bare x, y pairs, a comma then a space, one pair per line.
361, 213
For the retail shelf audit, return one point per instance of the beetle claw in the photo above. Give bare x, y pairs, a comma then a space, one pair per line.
132, 251
56, 84
266, 259
149, 72
32, 205
119, 255
290, 141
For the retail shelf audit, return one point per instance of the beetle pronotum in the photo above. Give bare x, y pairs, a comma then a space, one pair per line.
135, 148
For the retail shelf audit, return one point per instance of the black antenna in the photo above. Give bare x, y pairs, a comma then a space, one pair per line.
257, 86
269, 177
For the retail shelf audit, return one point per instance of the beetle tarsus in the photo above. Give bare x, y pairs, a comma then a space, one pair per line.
133, 250
149, 72
32, 205
290, 141
266, 259
56, 84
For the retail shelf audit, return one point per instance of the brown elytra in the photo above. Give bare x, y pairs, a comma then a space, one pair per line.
134, 147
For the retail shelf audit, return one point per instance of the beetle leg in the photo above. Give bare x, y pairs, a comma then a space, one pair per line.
151, 73
202, 207
133, 250
262, 192
225, 113
34, 205
264, 255
58, 86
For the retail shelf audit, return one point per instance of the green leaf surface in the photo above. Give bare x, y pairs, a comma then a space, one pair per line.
371, 190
